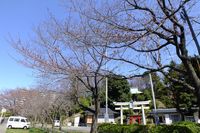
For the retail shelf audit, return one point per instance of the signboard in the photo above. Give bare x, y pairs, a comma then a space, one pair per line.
3, 110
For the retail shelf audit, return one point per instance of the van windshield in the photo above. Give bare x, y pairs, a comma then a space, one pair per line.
11, 119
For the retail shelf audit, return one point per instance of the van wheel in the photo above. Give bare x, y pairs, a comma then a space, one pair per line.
9, 126
25, 127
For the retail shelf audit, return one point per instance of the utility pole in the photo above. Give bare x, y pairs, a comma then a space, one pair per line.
153, 98
153, 94
191, 29
106, 113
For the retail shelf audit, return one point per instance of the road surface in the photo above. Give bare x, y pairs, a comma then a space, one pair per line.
80, 129
77, 129
3, 127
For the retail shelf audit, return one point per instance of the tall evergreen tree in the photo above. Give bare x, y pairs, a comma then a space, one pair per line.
118, 90
180, 96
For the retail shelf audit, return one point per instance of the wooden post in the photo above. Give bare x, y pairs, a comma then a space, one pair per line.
121, 114
143, 115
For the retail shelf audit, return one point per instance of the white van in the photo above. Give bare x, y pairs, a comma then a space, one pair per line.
18, 122
56, 123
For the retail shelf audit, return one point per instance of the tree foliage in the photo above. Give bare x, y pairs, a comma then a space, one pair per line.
181, 97
118, 90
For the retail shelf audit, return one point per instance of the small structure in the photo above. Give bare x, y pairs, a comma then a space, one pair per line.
134, 90
101, 119
169, 115
76, 120
134, 119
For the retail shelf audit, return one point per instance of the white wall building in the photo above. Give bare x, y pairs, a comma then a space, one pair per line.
171, 115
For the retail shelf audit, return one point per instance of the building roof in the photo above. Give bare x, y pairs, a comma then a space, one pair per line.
164, 111
135, 91
103, 111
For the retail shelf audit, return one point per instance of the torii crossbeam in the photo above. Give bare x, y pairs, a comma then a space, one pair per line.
133, 105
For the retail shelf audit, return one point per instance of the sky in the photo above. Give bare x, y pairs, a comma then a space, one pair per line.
17, 19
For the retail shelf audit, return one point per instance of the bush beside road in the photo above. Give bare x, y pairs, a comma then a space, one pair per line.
181, 127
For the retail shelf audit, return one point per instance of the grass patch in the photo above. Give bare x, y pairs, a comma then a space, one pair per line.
37, 130
31, 130
17, 131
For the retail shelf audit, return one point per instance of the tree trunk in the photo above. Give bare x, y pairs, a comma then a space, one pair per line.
95, 116
42, 126
60, 127
178, 107
35, 120
182, 116
198, 103
52, 126
94, 124
196, 81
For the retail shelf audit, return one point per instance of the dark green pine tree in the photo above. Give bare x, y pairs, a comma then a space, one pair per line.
118, 91
177, 95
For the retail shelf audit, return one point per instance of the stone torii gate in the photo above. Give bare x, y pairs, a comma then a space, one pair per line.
123, 106
140, 105
132, 105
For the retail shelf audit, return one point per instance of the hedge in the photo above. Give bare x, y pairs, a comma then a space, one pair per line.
181, 127
116, 128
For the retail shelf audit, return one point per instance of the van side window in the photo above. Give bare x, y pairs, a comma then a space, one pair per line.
11, 119
16, 119
22, 120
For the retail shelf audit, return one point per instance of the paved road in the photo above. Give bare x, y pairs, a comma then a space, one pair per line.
78, 129
3, 127
66, 129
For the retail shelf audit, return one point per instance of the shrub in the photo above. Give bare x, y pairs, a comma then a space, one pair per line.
169, 129
193, 127
116, 128
109, 128
181, 127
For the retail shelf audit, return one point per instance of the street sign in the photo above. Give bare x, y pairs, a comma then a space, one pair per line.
3, 110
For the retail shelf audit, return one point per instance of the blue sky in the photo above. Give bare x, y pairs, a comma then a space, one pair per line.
18, 18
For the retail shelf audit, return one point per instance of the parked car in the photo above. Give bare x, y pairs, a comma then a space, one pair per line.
56, 123
18, 122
